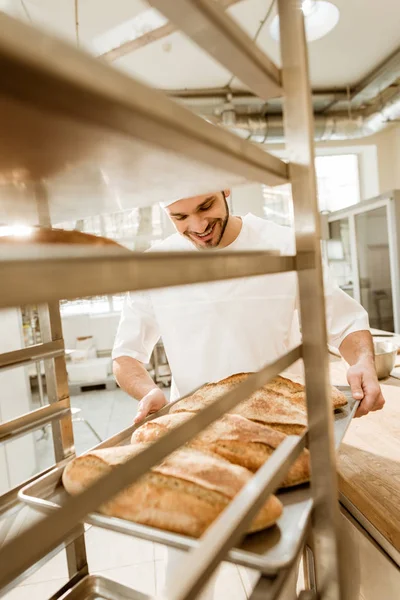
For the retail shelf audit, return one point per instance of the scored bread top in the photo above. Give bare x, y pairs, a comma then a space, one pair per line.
228, 428
206, 470
266, 407
277, 388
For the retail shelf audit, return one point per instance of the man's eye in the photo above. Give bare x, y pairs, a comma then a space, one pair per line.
180, 218
206, 207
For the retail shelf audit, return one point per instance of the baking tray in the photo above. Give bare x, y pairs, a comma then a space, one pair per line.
267, 551
95, 587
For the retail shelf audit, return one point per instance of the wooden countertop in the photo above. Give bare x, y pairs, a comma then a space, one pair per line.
369, 460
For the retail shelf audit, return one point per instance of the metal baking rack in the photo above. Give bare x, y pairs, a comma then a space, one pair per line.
268, 551
92, 121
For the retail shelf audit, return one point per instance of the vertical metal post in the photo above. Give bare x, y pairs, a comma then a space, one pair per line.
57, 389
299, 134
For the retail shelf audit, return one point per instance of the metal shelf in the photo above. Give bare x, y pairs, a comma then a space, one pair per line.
83, 138
268, 551
70, 272
87, 128
207, 24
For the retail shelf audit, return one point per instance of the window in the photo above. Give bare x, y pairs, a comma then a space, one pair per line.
338, 187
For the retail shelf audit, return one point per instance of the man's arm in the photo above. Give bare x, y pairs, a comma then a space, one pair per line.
133, 378
357, 349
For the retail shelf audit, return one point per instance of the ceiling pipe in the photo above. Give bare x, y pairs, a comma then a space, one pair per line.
269, 128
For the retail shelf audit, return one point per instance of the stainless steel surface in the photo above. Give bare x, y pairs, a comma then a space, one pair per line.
382, 542
70, 274
96, 587
231, 526
31, 354
19, 554
344, 416
33, 420
9, 500
98, 127
300, 150
217, 34
267, 551
385, 358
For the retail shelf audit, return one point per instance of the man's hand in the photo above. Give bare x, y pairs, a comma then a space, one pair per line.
151, 403
364, 386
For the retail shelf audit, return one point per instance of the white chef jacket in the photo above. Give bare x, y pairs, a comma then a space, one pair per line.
213, 330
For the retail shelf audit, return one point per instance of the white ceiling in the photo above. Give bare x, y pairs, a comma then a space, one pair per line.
368, 31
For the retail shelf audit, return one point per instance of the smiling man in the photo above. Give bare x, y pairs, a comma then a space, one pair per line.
213, 330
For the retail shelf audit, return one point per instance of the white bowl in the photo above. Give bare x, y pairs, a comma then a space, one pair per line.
385, 358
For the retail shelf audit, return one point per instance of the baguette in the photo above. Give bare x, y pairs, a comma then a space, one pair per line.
267, 408
184, 494
232, 437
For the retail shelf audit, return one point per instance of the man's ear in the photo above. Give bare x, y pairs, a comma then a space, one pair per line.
227, 193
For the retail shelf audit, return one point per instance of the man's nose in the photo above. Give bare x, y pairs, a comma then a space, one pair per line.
198, 224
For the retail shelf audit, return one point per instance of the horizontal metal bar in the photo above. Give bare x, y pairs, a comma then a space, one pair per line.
33, 420
371, 530
219, 35
229, 528
18, 554
66, 273
16, 358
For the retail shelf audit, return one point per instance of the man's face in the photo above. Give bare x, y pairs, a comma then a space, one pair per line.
202, 219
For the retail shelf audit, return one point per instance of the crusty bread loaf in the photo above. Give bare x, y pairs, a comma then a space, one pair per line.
265, 407
233, 437
296, 392
281, 403
45, 235
185, 493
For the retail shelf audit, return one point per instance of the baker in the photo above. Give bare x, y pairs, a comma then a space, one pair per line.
213, 330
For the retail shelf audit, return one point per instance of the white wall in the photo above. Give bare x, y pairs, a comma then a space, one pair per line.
17, 458
247, 198
102, 327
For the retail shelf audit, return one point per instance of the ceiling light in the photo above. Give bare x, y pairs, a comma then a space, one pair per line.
320, 17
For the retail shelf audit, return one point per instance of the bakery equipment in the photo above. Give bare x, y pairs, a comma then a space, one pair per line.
103, 137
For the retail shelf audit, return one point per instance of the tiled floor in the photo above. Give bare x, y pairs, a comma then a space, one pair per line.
132, 562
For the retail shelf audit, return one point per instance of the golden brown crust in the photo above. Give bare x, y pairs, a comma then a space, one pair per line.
184, 493
279, 387
233, 437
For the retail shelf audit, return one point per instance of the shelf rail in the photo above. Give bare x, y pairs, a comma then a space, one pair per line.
31, 354
207, 24
71, 273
